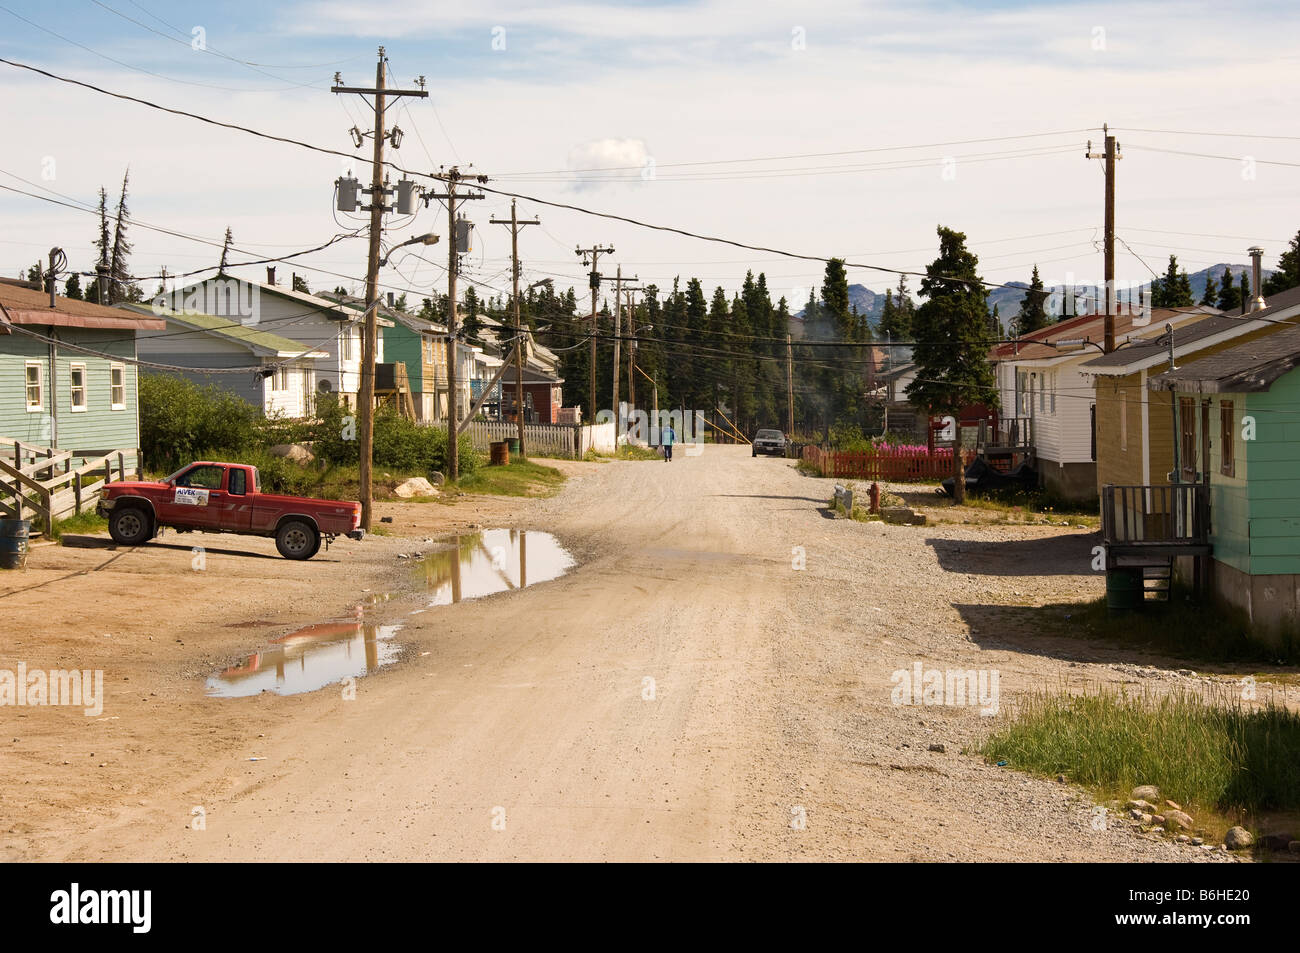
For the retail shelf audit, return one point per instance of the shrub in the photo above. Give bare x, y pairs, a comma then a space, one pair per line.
179, 420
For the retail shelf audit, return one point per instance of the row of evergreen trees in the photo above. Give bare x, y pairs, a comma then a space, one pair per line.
1174, 290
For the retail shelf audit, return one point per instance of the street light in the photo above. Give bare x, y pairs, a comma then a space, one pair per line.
426, 239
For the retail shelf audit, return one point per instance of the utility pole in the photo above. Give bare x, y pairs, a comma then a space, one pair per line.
378, 192
789, 383
619, 289
631, 345
1110, 155
618, 331
452, 177
591, 257
515, 225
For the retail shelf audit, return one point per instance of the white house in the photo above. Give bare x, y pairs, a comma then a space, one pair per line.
315, 322
286, 385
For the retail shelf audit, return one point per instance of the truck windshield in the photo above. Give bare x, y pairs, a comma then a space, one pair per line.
768, 435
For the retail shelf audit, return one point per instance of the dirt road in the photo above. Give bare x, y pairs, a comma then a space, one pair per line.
685, 693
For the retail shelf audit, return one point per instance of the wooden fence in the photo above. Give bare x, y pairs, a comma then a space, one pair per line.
884, 464
567, 441
44, 484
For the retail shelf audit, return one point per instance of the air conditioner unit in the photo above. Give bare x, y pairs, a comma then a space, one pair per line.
324, 386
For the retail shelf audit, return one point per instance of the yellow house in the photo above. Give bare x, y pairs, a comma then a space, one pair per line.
1133, 434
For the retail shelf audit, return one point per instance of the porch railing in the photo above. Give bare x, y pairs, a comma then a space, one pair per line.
1159, 514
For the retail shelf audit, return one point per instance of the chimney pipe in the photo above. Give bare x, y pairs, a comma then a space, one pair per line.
1257, 278
270, 274
391, 299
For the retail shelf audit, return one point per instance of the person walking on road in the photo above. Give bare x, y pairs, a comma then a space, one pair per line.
668, 437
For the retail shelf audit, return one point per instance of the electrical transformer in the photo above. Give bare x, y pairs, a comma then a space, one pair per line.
347, 188
407, 195
464, 231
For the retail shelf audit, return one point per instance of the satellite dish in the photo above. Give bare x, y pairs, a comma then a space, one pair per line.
324, 386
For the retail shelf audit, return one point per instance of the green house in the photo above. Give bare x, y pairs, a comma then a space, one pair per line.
1237, 423
68, 399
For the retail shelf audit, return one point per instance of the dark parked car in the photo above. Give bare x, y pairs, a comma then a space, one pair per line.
770, 442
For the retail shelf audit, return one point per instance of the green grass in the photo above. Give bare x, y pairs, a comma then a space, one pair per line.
86, 522
1183, 628
1015, 503
627, 451
519, 478
1214, 755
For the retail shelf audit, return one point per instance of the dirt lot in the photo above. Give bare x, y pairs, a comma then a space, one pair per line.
685, 693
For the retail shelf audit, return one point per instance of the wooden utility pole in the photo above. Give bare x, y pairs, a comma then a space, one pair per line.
515, 225
1109, 155
789, 384
591, 257
377, 208
630, 290
619, 290
452, 177
618, 332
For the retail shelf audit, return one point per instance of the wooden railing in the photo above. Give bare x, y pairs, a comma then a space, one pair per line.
1160, 514
44, 484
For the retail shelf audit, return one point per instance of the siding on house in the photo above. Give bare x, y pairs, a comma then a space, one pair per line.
1274, 478
99, 426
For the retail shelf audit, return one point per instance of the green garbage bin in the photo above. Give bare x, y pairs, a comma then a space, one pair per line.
1124, 590
513, 443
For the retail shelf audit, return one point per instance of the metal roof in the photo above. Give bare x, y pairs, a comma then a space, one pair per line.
250, 337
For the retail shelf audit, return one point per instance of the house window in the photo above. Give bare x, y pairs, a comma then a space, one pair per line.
117, 386
35, 400
1053, 392
281, 379
1187, 437
77, 383
345, 344
1123, 420
1227, 449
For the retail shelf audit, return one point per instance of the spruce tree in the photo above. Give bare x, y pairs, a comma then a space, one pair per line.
951, 351
1033, 306
1211, 291
1229, 293
72, 289
225, 251
121, 287
1287, 275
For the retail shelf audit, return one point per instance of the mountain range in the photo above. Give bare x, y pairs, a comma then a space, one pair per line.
1008, 298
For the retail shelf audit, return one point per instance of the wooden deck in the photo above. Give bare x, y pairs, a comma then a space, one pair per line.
44, 484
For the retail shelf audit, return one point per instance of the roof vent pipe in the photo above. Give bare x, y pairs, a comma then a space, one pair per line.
1257, 278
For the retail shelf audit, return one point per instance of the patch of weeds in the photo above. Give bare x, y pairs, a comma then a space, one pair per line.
1214, 755
86, 522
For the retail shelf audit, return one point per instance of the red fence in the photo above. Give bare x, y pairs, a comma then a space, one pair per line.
884, 464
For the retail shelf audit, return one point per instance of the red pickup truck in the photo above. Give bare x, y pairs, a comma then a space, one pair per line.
225, 498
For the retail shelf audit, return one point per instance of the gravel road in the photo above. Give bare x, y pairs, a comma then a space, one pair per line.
685, 693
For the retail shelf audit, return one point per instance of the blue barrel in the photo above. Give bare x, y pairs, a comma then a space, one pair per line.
13, 543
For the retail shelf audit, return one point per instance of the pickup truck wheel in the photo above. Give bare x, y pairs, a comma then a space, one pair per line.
130, 526
297, 540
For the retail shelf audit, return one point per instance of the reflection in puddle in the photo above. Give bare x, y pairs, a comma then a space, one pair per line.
479, 564
308, 659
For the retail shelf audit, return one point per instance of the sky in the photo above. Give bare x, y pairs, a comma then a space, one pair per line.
847, 129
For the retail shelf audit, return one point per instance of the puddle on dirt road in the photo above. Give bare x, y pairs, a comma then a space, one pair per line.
494, 560
472, 566
309, 659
